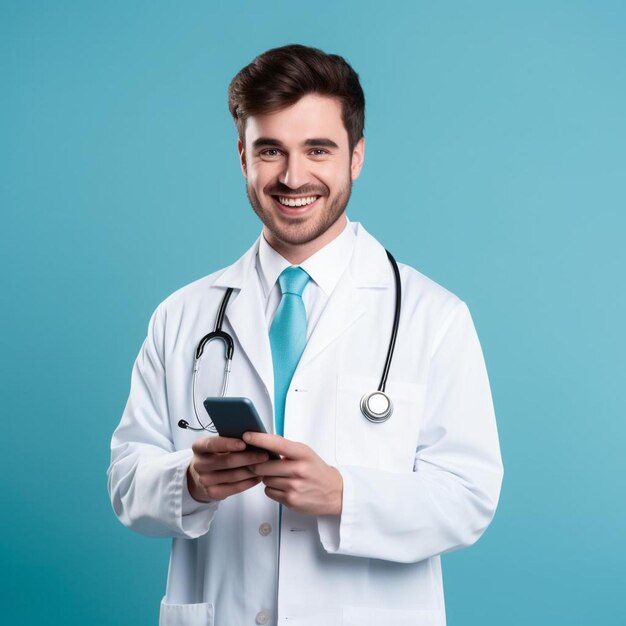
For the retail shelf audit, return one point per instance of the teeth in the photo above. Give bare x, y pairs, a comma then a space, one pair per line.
297, 201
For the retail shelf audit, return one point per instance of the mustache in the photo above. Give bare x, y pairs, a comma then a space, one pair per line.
306, 190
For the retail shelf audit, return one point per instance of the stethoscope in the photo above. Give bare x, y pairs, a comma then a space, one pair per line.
376, 406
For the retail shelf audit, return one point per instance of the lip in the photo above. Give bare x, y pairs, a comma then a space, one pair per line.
295, 211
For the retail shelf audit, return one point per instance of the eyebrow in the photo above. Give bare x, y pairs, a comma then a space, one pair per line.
266, 141
320, 142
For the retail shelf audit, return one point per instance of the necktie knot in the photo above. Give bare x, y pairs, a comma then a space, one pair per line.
293, 280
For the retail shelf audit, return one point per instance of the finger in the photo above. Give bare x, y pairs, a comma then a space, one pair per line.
219, 492
276, 495
276, 468
212, 445
275, 443
227, 476
216, 462
280, 484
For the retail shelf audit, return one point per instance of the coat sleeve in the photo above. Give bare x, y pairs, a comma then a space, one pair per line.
450, 497
147, 477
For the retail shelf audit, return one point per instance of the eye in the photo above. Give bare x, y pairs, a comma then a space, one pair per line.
317, 152
269, 153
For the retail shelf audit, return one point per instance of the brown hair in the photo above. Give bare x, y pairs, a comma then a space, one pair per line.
279, 77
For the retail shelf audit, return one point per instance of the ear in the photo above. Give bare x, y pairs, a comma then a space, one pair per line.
358, 155
242, 157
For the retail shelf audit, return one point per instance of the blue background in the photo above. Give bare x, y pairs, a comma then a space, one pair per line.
496, 154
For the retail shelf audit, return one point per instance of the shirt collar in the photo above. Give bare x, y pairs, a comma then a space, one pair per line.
325, 267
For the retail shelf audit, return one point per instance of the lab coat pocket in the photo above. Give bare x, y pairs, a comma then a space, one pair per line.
388, 445
372, 616
200, 614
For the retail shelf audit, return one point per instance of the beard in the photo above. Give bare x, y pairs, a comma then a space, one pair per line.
298, 231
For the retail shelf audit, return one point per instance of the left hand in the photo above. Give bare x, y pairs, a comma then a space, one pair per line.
301, 480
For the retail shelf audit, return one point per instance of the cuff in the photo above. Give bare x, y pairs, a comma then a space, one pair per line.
195, 517
190, 505
335, 530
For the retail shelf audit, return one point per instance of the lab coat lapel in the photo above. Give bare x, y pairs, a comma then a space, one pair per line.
246, 317
342, 310
368, 268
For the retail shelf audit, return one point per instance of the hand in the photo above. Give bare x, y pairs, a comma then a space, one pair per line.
301, 480
219, 468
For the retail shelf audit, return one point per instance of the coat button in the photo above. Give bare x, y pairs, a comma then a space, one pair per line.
264, 530
262, 617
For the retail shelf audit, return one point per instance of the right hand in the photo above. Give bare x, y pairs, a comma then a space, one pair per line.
219, 468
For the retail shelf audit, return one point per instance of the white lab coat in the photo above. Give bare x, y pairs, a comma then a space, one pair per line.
425, 482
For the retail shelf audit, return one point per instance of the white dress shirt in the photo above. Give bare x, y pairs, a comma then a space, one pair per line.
325, 268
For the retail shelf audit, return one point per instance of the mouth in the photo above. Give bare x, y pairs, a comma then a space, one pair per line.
295, 205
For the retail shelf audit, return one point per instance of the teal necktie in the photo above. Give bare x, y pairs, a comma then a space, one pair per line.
287, 337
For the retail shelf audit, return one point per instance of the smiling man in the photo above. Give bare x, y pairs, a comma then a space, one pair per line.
367, 376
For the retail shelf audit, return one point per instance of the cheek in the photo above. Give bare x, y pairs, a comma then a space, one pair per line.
338, 179
253, 182
332, 176
260, 176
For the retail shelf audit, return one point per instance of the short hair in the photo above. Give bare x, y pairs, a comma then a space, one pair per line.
281, 76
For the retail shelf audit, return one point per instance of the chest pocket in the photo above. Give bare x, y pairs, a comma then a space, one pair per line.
389, 445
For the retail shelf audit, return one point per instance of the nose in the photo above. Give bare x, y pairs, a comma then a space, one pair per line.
294, 174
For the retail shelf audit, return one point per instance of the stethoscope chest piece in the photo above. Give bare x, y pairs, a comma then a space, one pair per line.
376, 406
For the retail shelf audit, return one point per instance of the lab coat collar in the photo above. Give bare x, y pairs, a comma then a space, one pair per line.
240, 271
369, 266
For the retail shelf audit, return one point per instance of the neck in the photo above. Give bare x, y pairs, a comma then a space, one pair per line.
298, 253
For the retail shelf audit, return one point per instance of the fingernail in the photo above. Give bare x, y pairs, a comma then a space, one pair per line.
246, 437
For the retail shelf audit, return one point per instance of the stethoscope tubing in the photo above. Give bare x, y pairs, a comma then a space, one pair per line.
396, 323
229, 347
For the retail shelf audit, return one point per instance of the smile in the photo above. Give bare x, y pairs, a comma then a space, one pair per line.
294, 202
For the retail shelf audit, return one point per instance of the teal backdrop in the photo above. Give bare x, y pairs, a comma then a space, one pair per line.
496, 164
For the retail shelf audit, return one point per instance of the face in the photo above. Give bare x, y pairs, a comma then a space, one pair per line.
299, 172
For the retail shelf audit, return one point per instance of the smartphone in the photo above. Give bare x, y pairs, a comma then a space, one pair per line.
233, 417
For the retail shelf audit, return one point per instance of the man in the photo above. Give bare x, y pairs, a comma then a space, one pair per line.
347, 527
